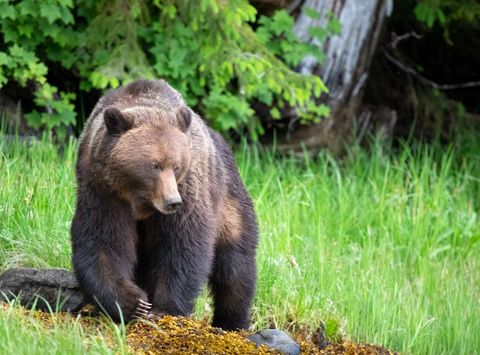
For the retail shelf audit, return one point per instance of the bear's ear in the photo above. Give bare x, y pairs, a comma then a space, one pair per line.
116, 121
184, 116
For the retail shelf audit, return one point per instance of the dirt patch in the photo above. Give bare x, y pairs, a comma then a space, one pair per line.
178, 335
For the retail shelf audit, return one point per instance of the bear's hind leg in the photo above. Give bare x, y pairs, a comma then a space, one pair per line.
233, 285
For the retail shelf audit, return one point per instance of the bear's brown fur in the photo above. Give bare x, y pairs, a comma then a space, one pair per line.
161, 210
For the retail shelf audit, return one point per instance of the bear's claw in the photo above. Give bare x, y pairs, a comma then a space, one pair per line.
142, 309
145, 303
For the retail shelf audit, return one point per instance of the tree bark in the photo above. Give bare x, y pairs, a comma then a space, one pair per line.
345, 69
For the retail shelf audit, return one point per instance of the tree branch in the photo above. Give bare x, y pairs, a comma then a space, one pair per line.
396, 39
409, 70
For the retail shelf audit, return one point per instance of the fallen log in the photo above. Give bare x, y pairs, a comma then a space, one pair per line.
45, 289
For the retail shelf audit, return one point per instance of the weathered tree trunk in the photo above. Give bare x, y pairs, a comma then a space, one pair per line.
345, 69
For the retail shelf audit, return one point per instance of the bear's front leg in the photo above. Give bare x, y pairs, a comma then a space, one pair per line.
174, 264
104, 254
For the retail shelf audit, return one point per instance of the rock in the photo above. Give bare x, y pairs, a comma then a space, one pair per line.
54, 288
276, 339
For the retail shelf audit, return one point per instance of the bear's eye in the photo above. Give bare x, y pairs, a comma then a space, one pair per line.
155, 166
176, 170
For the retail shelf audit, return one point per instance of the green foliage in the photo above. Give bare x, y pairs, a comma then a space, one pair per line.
277, 35
33, 33
207, 49
445, 12
59, 110
112, 54
225, 70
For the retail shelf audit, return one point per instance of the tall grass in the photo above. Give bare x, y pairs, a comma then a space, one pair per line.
384, 244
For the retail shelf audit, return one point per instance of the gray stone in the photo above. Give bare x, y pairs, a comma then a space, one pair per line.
276, 339
55, 289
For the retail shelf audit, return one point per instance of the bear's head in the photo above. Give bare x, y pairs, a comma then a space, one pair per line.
148, 159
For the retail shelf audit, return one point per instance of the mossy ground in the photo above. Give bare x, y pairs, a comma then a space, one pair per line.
180, 335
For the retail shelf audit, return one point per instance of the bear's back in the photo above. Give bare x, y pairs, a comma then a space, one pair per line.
146, 93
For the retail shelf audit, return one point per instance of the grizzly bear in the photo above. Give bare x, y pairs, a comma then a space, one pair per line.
161, 210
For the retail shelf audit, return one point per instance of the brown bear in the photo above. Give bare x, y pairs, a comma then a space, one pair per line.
161, 210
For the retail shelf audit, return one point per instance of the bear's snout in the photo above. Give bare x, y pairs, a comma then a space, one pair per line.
166, 197
169, 204
174, 203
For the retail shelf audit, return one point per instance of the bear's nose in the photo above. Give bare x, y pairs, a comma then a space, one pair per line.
173, 203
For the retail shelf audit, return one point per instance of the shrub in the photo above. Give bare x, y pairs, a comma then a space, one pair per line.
217, 53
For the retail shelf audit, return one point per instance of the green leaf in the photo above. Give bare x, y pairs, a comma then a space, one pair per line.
318, 32
4, 59
50, 12
312, 13
7, 11
334, 26
275, 113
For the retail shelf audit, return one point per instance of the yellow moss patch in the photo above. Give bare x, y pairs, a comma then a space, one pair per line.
178, 335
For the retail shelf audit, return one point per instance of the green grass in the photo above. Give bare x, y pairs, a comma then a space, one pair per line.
26, 335
384, 247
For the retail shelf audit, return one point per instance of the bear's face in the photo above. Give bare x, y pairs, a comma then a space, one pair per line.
148, 161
